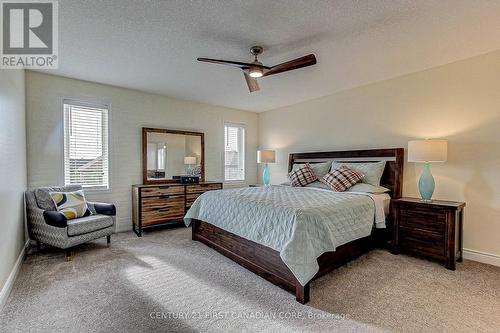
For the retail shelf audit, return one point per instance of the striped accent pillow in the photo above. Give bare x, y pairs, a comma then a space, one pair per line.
71, 204
302, 176
342, 178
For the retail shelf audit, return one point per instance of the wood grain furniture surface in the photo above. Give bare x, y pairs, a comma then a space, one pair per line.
432, 229
166, 204
267, 263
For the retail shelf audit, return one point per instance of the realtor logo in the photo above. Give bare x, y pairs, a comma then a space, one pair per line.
29, 34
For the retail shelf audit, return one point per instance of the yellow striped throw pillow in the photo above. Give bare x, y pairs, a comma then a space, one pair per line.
71, 204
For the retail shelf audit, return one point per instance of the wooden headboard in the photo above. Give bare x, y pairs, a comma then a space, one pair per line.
392, 177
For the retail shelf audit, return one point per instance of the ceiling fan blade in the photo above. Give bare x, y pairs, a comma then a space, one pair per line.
238, 64
304, 61
251, 82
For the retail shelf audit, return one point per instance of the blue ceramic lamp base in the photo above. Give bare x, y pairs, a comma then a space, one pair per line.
266, 175
426, 183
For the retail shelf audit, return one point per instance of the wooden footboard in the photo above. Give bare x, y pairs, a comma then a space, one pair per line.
267, 262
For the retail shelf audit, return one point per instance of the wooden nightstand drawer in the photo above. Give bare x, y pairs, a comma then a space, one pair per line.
423, 219
422, 241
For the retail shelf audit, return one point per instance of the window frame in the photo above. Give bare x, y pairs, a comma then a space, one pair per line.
239, 125
89, 104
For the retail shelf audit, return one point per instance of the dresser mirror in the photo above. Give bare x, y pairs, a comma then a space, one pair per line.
169, 153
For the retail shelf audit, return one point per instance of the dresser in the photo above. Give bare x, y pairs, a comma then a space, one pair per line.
164, 204
431, 229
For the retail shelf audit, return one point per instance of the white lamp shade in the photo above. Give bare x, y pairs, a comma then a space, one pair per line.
266, 156
189, 160
427, 151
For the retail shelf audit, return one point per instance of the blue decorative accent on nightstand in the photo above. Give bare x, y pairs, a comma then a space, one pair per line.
266, 176
426, 183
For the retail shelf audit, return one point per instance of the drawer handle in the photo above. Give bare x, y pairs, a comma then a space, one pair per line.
164, 187
421, 241
165, 196
163, 209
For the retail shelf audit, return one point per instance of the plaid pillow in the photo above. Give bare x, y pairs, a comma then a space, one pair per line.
341, 179
302, 176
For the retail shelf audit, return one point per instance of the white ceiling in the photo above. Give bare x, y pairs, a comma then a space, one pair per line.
153, 45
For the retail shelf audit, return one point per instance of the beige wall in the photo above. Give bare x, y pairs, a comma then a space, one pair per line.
459, 102
130, 110
12, 169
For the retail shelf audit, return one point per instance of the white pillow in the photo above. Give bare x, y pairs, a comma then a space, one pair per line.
316, 184
372, 170
367, 188
319, 169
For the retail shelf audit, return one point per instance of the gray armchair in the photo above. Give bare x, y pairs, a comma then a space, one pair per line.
46, 225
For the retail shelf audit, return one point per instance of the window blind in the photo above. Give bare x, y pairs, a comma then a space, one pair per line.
234, 152
86, 159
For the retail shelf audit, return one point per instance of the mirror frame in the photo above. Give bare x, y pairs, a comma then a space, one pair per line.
145, 131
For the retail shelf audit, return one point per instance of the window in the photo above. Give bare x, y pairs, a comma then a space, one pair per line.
234, 152
86, 145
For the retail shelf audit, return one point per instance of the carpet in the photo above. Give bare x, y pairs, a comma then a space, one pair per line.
165, 282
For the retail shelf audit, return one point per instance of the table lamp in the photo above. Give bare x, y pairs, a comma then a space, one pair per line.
189, 161
266, 156
427, 151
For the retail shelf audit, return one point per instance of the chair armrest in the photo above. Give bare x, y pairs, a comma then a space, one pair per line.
55, 219
104, 208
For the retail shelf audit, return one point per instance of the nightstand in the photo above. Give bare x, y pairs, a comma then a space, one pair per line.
429, 229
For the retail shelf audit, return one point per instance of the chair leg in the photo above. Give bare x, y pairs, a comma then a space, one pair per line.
108, 239
69, 256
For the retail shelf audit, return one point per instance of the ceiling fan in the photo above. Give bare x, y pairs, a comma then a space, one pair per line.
256, 69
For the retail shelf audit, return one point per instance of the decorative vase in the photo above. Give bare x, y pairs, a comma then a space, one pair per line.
266, 176
426, 183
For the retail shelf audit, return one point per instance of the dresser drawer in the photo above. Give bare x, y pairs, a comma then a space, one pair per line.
190, 198
423, 219
164, 190
421, 241
200, 188
159, 210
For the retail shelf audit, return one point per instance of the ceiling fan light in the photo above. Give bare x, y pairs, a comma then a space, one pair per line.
255, 72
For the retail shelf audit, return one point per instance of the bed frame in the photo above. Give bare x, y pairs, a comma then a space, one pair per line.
267, 263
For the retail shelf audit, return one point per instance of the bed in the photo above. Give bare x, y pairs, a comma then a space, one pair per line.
291, 236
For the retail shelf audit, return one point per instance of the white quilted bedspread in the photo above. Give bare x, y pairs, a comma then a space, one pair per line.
299, 223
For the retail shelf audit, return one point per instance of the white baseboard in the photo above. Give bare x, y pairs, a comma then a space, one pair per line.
7, 288
121, 227
486, 258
